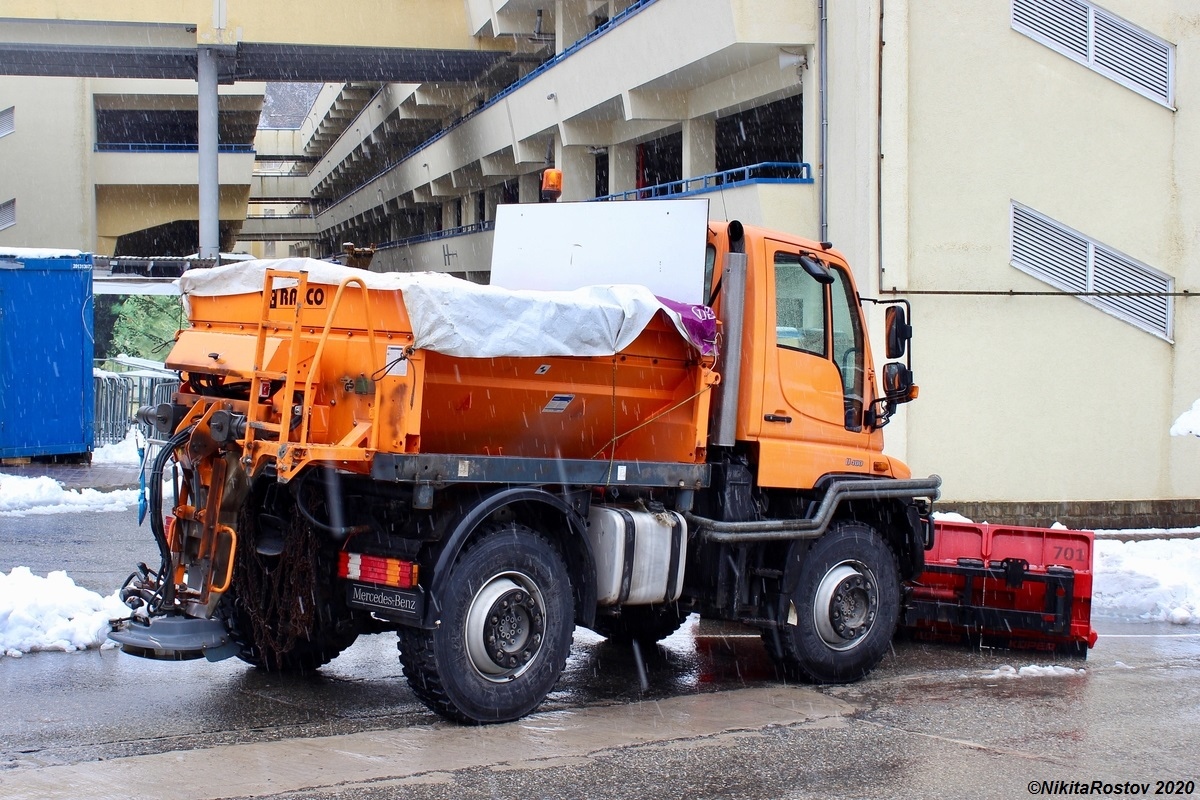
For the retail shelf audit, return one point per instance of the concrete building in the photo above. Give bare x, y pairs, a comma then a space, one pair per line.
109, 165
1018, 170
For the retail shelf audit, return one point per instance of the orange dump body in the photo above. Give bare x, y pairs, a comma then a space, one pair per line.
365, 389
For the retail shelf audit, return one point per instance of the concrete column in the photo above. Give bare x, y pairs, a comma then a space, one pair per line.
209, 179
622, 168
530, 187
699, 146
491, 200
573, 22
579, 173
468, 209
449, 213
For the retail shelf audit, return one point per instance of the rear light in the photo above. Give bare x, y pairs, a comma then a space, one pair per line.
378, 570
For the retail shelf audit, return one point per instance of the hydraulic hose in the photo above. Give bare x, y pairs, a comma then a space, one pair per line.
337, 531
166, 582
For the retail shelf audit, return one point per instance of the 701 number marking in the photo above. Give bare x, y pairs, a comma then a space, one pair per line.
1062, 553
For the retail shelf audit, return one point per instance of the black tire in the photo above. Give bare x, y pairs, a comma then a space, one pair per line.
646, 625
509, 583
838, 623
286, 611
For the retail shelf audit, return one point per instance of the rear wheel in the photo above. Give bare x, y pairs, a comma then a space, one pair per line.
284, 607
507, 621
837, 624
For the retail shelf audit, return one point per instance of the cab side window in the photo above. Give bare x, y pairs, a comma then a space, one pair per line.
800, 312
848, 346
710, 266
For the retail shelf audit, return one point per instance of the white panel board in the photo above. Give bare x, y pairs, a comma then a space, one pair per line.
563, 246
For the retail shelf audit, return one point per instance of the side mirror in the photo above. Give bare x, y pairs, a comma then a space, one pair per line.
816, 269
898, 332
898, 383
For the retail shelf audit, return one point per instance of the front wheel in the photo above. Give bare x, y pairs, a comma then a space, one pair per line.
507, 622
838, 622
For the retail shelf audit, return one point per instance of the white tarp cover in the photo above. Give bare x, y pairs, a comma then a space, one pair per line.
465, 319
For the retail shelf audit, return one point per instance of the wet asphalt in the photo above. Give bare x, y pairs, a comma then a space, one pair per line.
702, 716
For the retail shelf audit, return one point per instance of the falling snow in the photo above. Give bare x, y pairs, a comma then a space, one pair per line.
1152, 581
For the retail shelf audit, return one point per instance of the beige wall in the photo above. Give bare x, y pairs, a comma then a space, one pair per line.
69, 196
366, 23
1022, 398
1037, 398
44, 163
127, 209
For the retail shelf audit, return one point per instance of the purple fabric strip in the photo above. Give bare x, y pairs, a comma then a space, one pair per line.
698, 321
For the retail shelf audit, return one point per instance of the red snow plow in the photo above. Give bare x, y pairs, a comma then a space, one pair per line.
1005, 586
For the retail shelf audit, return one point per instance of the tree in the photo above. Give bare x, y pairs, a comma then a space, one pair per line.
145, 325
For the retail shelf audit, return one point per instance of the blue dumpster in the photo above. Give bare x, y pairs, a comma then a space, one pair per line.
46, 391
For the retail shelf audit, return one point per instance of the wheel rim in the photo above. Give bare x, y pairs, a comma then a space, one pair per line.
505, 626
845, 605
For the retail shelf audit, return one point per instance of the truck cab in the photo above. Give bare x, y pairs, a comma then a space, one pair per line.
809, 404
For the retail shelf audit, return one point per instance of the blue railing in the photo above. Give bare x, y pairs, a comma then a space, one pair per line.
477, 227
506, 91
766, 172
166, 147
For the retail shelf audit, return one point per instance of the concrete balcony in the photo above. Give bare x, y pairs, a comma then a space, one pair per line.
597, 93
279, 229
784, 205
778, 196
157, 167
464, 250
280, 188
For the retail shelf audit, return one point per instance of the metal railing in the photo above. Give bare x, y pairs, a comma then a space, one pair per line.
766, 172
546, 65
166, 147
780, 172
463, 230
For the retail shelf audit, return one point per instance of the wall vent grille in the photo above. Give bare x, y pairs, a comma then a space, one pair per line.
1072, 262
1103, 42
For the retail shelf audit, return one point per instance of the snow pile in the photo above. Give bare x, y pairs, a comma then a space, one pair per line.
1157, 580
20, 496
1031, 671
38, 252
52, 613
1150, 580
122, 452
1188, 423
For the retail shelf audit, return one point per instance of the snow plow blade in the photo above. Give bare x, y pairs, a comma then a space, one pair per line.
1005, 586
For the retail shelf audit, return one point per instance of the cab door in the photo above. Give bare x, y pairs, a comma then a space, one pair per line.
813, 398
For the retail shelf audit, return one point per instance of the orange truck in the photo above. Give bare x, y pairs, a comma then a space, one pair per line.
482, 469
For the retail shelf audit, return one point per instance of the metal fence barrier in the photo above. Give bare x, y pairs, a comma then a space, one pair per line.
114, 396
118, 397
